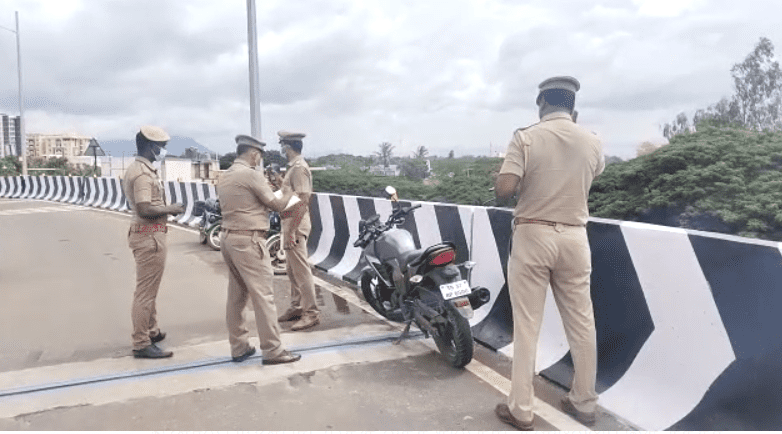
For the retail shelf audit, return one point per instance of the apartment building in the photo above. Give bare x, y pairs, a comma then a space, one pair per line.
10, 136
56, 145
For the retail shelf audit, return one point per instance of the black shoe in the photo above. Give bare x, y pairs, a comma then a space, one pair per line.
285, 357
158, 337
245, 356
503, 413
151, 352
581, 416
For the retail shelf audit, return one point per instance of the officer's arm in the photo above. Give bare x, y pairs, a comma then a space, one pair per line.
262, 190
505, 186
148, 211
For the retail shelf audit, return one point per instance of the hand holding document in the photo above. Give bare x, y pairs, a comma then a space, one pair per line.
293, 203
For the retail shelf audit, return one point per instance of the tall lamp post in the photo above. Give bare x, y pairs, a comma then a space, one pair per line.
21, 99
255, 98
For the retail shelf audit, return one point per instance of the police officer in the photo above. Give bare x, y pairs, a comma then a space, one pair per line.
296, 228
245, 199
147, 238
550, 167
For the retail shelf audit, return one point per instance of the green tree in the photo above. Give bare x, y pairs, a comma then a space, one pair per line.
227, 160
717, 179
384, 153
421, 152
10, 166
757, 100
758, 85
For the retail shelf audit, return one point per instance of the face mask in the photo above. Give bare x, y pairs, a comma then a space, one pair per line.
161, 154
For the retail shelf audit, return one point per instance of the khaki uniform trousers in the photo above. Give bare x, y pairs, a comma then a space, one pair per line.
149, 250
300, 275
250, 275
557, 255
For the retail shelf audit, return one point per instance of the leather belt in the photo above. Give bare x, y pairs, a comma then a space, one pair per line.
525, 221
148, 229
248, 233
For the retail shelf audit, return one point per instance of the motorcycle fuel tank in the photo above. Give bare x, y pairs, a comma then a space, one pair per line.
392, 244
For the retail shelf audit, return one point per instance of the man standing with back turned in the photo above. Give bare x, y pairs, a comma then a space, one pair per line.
295, 230
550, 167
147, 238
245, 199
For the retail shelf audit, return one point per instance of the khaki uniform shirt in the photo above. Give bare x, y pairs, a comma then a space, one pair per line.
244, 195
142, 184
556, 160
299, 178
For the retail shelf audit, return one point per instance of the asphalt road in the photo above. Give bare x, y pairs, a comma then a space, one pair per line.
66, 283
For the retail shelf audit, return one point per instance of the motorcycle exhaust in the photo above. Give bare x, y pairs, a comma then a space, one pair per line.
478, 297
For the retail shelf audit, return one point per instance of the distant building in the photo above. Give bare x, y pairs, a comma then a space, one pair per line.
391, 170
186, 170
10, 136
56, 145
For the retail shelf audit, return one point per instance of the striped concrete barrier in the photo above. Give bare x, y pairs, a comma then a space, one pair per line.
187, 193
688, 322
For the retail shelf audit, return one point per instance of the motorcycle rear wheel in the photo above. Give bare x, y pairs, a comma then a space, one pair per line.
213, 237
277, 254
371, 286
454, 339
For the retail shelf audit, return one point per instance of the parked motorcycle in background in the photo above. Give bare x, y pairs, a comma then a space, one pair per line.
274, 244
211, 222
421, 286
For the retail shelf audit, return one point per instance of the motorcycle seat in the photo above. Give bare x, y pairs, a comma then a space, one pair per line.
417, 257
410, 257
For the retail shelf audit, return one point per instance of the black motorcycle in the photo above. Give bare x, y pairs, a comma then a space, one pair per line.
211, 222
423, 286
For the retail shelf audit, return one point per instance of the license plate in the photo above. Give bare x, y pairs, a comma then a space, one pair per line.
455, 289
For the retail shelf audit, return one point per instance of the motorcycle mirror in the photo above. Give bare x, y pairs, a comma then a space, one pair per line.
391, 193
361, 225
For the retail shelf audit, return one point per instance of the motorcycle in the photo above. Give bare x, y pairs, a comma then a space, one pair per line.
421, 286
211, 223
274, 244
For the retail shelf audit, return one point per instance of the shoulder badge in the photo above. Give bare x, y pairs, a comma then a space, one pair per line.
527, 127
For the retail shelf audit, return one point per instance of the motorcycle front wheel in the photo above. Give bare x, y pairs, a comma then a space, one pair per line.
372, 287
213, 237
277, 254
454, 339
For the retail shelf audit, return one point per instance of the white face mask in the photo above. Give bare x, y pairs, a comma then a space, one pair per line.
162, 154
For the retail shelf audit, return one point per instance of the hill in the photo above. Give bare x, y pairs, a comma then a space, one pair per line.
176, 146
725, 180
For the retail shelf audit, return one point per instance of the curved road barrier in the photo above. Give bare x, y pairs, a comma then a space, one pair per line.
688, 322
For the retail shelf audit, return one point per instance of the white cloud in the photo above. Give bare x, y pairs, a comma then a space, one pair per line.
456, 75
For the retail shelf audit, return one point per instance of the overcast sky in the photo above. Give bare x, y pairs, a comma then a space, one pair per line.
449, 75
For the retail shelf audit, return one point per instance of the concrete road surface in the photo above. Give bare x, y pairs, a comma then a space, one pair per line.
66, 283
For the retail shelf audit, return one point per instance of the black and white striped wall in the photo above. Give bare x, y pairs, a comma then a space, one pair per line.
688, 323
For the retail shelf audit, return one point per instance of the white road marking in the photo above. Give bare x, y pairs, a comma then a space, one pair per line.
24, 211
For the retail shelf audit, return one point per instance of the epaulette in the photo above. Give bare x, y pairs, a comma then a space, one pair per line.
528, 126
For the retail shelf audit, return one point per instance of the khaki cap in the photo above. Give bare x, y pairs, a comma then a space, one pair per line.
289, 135
562, 82
155, 134
244, 140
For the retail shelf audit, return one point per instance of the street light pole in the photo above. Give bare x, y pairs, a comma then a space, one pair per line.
21, 98
255, 99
